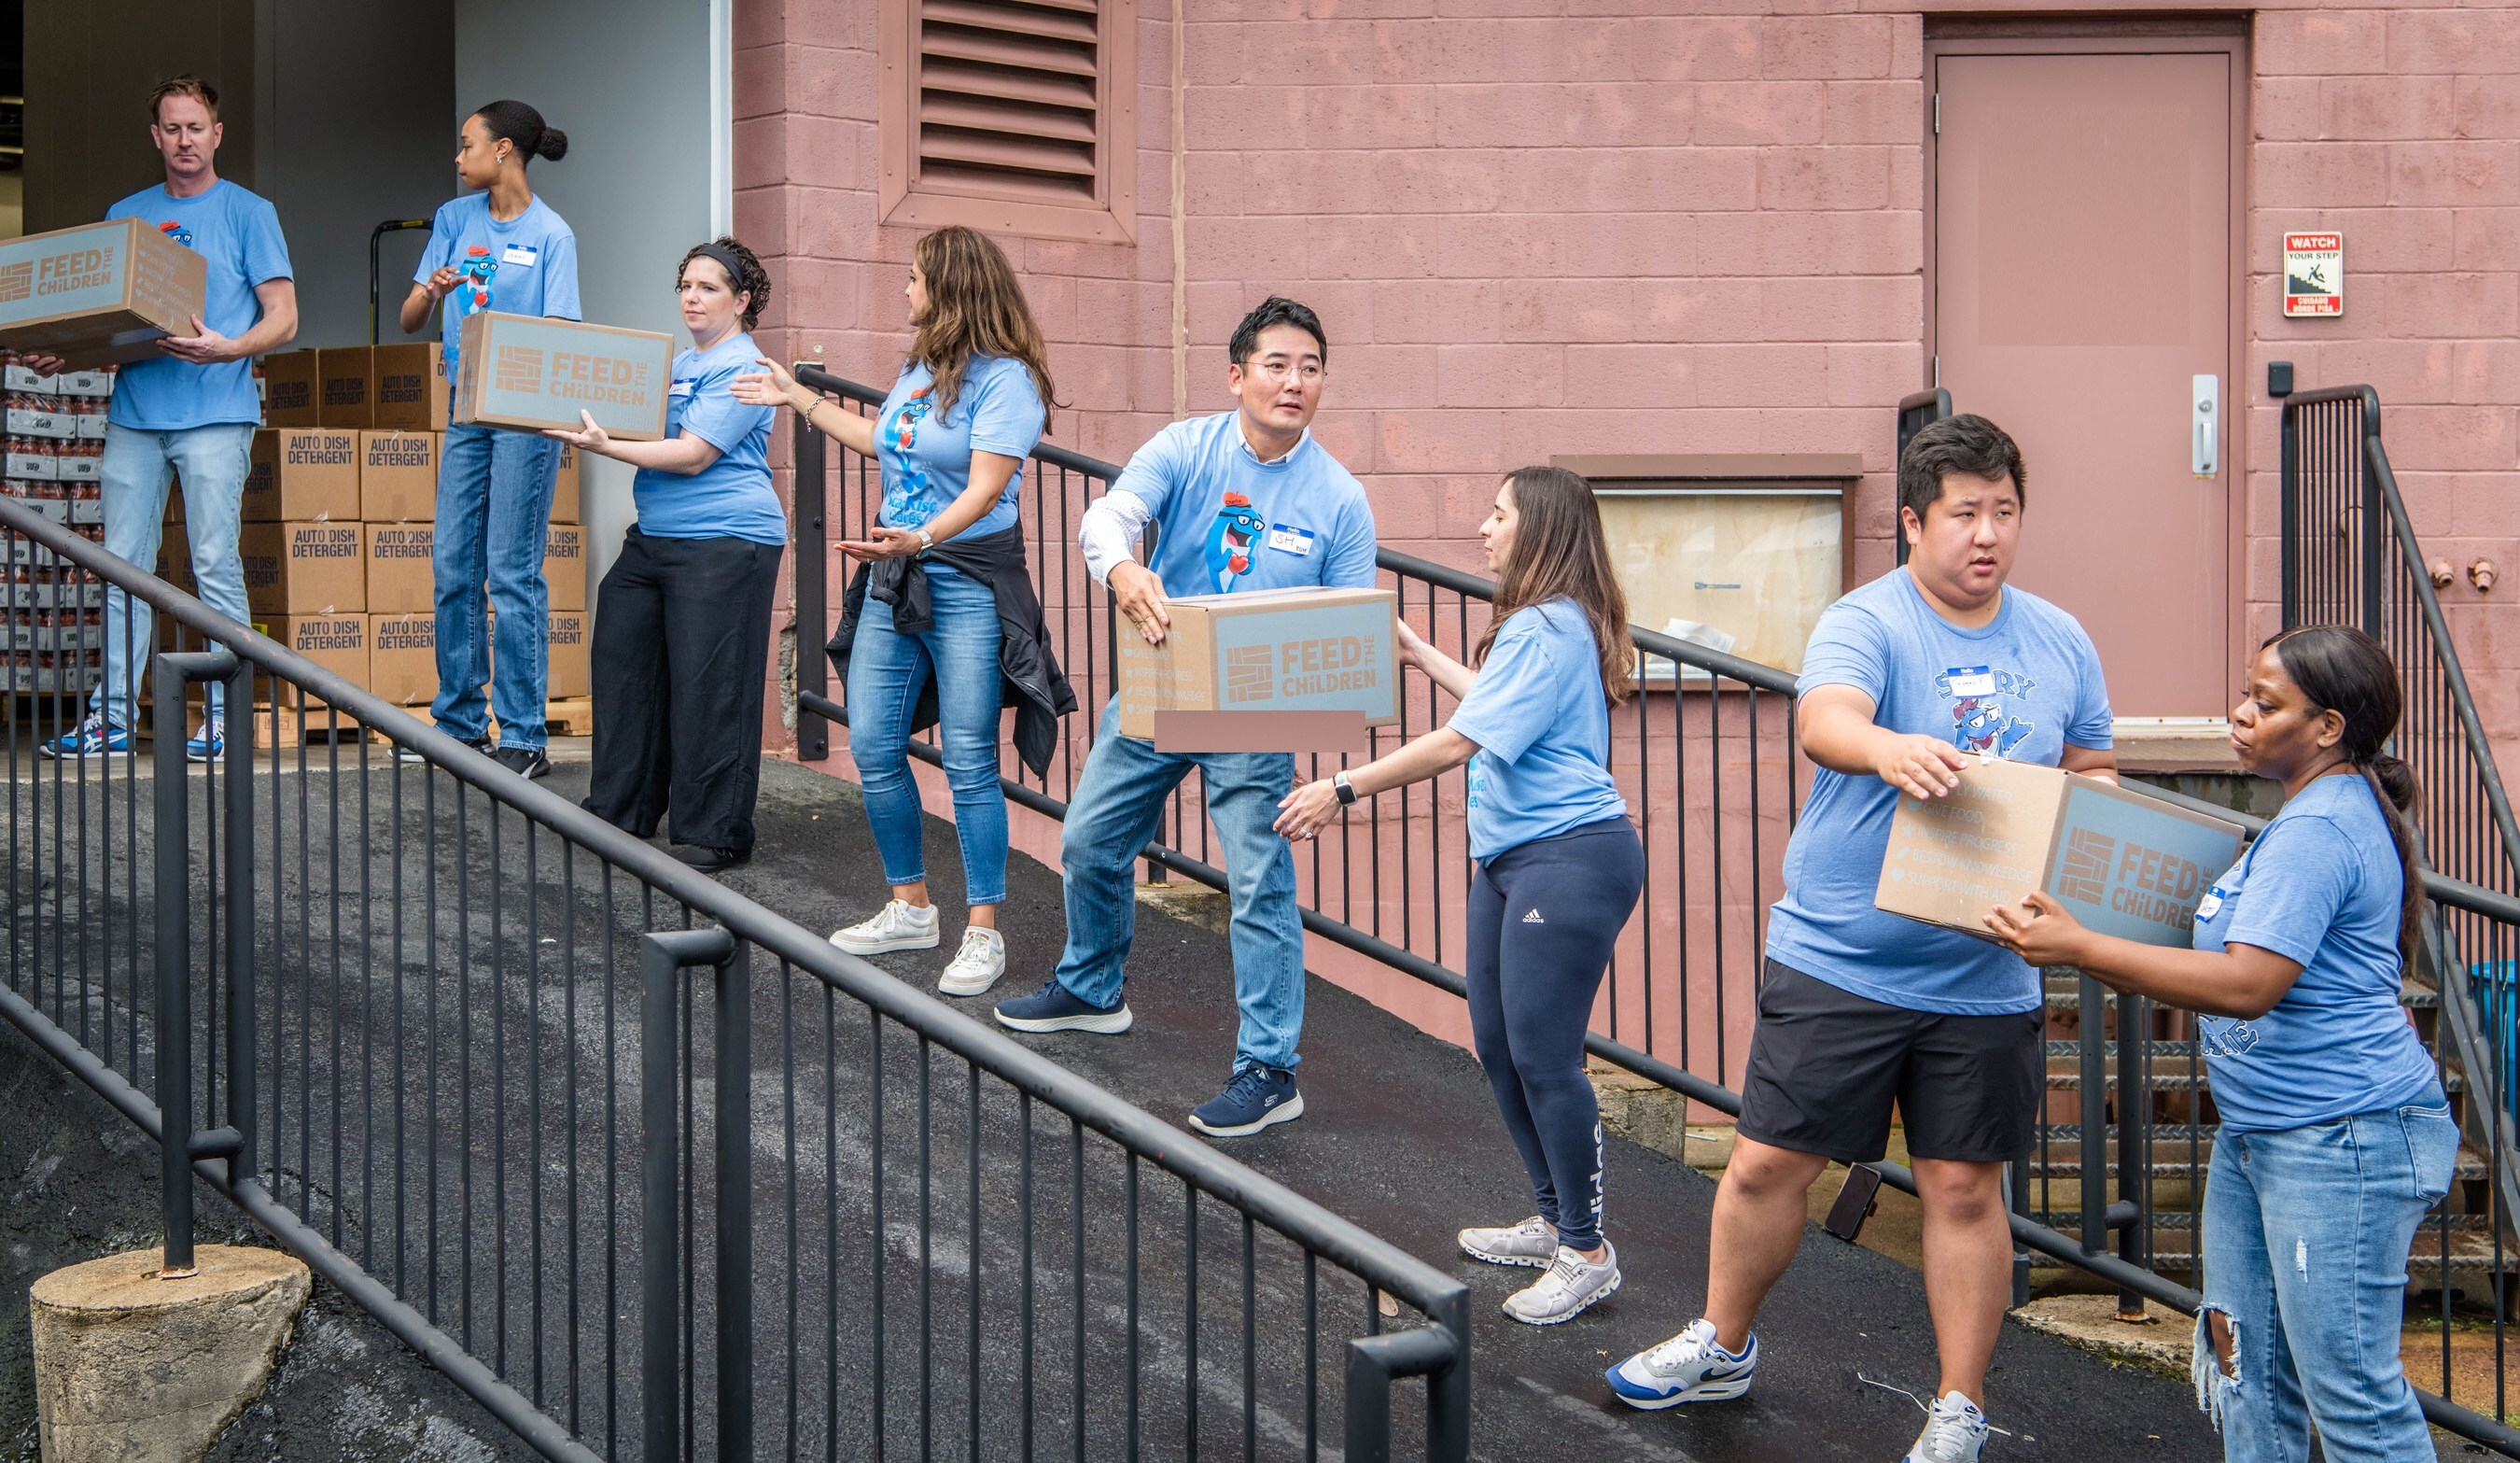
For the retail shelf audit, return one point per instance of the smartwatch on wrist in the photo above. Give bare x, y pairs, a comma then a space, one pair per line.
927, 542
1346, 790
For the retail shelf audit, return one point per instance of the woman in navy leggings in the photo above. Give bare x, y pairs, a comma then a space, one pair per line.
1559, 865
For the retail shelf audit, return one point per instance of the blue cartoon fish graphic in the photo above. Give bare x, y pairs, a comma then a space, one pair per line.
177, 232
906, 488
1230, 539
471, 292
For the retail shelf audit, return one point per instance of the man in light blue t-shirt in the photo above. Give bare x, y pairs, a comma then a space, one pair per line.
190, 412
1904, 678
1242, 500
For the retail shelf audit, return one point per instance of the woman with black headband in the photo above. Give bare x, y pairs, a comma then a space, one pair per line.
682, 644
500, 248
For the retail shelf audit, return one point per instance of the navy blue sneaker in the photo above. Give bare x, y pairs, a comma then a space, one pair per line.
1054, 1008
1257, 1097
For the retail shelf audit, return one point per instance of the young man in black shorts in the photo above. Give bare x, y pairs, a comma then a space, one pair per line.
1905, 678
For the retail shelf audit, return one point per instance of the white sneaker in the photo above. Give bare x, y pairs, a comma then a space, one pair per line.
978, 965
1533, 1242
1687, 1368
895, 927
1955, 1431
1571, 1284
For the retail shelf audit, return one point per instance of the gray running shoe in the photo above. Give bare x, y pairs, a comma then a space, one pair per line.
1571, 1284
1533, 1242
1955, 1431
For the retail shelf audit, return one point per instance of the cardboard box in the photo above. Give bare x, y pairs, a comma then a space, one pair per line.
407, 387
1272, 670
402, 658
290, 396
97, 383
564, 487
400, 581
306, 569
2123, 863
341, 387
531, 372
97, 293
338, 642
302, 474
566, 666
398, 476
565, 565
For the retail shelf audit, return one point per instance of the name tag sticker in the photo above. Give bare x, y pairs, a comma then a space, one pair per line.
2211, 905
522, 255
1295, 541
683, 386
1971, 681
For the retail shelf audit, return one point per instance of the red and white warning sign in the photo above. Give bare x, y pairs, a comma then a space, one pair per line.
2314, 274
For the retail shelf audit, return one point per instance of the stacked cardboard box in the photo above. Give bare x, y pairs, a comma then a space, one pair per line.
52, 624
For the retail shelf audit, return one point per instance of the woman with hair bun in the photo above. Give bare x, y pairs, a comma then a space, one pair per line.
498, 248
2336, 1136
682, 649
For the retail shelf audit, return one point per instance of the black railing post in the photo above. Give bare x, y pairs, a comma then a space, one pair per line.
813, 593
178, 1140
662, 957
2288, 508
1435, 1351
2135, 1141
2375, 517
2095, 1114
238, 769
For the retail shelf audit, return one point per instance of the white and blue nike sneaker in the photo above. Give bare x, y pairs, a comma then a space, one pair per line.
1687, 1368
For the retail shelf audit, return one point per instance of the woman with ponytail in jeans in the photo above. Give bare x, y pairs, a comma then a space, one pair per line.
2335, 1136
1559, 865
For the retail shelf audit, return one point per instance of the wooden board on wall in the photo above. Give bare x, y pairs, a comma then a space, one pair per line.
1757, 564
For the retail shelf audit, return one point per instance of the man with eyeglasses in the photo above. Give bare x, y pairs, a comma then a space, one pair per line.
1242, 500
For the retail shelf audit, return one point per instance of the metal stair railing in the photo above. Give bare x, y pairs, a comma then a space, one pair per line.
646, 1170
1708, 761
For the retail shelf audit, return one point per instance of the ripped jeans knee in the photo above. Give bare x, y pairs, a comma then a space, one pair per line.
2215, 1365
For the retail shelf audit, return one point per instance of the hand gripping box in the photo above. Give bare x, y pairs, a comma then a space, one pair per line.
97, 293
2119, 861
531, 373
1268, 670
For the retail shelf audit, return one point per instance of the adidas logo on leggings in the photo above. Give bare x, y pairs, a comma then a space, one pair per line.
1533, 918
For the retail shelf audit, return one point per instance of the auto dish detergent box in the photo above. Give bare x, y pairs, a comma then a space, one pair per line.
401, 575
532, 372
1270, 671
301, 474
98, 294
407, 387
306, 569
2121, 862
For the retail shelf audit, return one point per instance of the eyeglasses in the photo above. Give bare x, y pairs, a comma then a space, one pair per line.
1280, 370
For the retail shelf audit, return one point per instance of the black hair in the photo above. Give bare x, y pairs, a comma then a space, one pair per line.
523, 125
1964, 443
2342, 669
1276, 310
750, 278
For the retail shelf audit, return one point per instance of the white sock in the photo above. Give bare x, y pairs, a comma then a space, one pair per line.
918, 915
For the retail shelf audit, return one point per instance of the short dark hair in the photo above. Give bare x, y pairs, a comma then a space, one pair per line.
184, 85
1964, 443
1276, 310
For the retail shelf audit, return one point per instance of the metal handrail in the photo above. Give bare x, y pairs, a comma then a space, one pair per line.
1442, 1298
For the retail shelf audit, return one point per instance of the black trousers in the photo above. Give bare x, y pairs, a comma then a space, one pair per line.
681, 644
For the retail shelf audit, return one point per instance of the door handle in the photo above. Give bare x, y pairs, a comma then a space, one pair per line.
2205, 433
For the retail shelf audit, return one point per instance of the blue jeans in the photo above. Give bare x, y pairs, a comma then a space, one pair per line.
887, 669
1118, 802
210, 462
2306, 1238
494, 498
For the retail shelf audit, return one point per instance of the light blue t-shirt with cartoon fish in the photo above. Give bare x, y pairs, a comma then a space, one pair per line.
2022, 687
526, 266
926, 454
237, 234
2321, 888
1226, 522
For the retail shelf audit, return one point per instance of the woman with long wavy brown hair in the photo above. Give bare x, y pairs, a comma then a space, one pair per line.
1559, 865
941, 626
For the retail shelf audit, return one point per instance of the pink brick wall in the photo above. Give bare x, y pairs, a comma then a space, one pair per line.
1581, 226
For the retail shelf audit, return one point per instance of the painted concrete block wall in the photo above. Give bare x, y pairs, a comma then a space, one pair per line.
1592, 226
2401, 127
